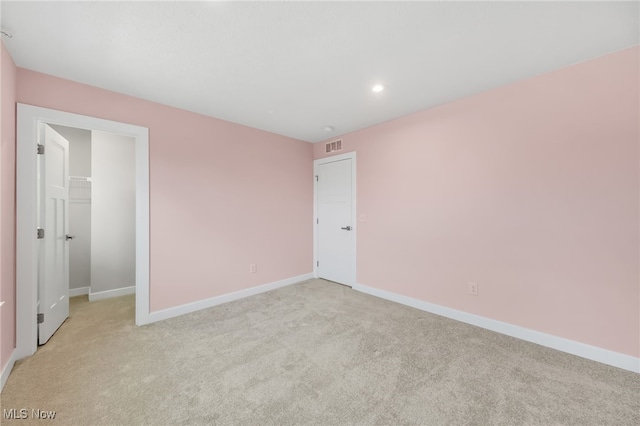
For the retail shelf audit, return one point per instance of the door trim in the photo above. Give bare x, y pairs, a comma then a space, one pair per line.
27, 120
354, 225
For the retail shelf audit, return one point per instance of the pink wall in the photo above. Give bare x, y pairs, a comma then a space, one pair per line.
222, 195
7, 205
531, 190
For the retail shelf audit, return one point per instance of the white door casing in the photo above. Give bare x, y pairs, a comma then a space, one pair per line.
27, 124
335, 224
53, 262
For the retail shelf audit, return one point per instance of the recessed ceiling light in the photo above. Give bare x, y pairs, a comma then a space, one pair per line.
328, 129
378, 88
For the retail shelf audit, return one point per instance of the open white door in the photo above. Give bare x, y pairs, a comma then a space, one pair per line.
53, 282
336, 236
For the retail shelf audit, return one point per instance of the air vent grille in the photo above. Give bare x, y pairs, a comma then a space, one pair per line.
333, 146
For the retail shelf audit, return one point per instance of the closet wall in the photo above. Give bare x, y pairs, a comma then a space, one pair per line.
113, 214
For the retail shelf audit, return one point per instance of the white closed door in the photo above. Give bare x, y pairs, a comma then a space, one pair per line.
53, 282
336, 233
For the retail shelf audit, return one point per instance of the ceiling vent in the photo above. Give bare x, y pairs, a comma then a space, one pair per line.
333, 146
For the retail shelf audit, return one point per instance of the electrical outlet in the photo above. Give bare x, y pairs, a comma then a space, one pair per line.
253, 268
473, 289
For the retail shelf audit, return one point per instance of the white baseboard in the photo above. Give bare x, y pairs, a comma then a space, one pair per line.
112, 293
229, 297
594, 353
7, 370
80, 291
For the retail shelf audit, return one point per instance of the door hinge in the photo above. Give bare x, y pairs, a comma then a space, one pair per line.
40, 149
40, 318
318, 263
40, 233
316, 178
317, 221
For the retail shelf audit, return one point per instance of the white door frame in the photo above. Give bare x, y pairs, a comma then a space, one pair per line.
28, 118
316, 163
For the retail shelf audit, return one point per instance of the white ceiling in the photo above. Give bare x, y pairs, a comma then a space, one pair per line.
295, 67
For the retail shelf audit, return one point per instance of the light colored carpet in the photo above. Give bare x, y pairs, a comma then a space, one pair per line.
311, 353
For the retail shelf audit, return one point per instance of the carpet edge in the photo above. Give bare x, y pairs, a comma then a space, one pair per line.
224, 298
583, 350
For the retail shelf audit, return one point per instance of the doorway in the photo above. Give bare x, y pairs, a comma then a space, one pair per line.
94, 251
29, 118
79, 208
335, 218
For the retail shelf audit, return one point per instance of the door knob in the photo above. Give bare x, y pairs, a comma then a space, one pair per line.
346, 228
69, 237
